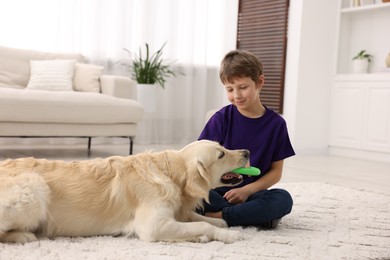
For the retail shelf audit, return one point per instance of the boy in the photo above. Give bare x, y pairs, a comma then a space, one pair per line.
247, 124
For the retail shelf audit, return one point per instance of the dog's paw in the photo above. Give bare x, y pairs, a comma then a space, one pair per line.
229, 236
18, 237
202, 239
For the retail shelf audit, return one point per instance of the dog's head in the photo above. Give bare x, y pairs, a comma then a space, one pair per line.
209, 165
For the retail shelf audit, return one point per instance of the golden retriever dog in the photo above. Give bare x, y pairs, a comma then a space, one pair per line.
152, 195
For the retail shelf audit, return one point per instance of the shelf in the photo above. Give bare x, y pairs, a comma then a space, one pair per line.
363, 77
363, 28
360, 108
365, 8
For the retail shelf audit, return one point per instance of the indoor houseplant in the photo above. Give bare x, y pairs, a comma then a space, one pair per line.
151, 69
361, 62
148, 71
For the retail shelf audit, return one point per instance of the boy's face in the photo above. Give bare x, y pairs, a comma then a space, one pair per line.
243, 92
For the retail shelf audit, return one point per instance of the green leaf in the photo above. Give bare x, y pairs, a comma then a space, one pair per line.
363, 55
151, 69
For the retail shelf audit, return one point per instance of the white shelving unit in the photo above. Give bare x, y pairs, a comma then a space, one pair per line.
363, 28
363, 8
360, 109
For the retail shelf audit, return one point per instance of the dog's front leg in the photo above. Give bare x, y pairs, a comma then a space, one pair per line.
158, 224
213, 221
173, 230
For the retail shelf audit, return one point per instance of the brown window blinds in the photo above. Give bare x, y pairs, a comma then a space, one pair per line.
262, 29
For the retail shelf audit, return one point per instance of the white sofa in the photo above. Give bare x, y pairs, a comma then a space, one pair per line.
35, 103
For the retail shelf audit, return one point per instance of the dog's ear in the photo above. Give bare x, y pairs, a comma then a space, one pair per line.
197, 184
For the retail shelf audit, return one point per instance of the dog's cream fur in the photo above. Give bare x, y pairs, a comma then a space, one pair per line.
150, 195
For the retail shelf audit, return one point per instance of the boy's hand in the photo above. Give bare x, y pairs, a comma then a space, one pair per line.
236, 196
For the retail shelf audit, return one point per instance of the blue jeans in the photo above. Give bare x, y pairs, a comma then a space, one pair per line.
261, 207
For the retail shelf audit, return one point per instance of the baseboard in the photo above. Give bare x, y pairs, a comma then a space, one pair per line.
360, 154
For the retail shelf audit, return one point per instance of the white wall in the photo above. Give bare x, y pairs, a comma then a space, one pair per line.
309, 72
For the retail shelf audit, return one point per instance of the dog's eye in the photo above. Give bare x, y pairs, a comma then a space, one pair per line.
222, 154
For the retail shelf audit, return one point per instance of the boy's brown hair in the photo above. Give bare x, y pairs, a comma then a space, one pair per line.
240, 63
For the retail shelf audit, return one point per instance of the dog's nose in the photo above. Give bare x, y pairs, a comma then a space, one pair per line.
246, 154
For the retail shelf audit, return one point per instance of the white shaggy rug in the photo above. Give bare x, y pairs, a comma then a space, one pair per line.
327, 222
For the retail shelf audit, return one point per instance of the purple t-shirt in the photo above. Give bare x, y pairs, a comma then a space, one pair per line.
265, 137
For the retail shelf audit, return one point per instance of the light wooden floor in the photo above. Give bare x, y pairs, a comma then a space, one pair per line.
347, 172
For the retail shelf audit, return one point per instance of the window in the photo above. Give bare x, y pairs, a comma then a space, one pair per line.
262, 30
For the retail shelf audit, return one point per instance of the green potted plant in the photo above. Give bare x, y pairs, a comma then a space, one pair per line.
151, 69
148, 71
361, 62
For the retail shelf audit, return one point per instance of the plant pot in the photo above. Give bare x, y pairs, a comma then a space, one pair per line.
360, 66
387, 61
146, 95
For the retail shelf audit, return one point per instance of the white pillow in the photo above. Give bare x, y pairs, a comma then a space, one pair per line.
51, 75
87, 77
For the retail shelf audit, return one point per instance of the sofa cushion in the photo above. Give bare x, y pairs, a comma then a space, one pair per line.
56, 75
15, 64
87, 77
23, 105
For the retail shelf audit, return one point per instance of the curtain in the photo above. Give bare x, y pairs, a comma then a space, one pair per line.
197, 34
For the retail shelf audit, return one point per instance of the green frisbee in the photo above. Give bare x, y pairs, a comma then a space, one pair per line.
253, 171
